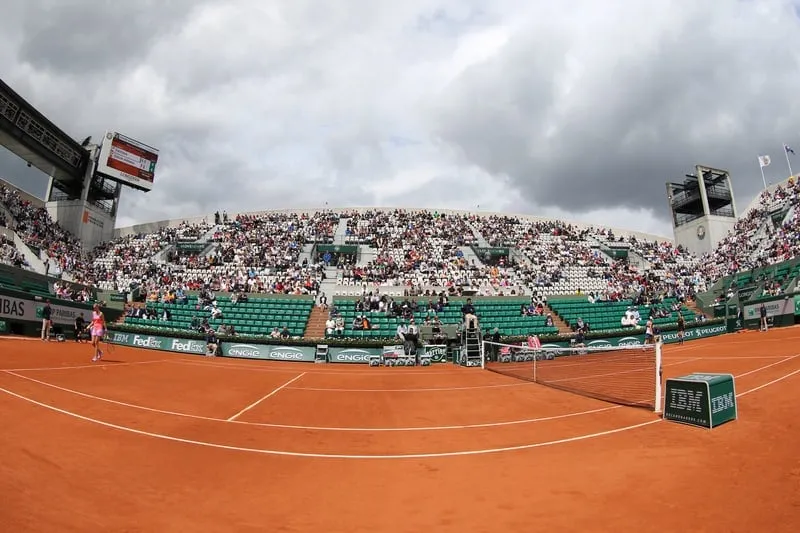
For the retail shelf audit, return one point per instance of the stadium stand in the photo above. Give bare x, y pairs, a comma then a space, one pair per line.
610, 315
415, 254
377, 315
281, 317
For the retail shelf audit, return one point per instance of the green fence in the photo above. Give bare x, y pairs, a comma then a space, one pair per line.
668, 337
362, 354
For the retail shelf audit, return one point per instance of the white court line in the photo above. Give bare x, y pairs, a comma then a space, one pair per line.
263, 451
320, 428
274, 392
475, 387
790, 374
578, 378
453, 369
329, 428
95, 365
324, 455
735, 357
420, 389
768, 366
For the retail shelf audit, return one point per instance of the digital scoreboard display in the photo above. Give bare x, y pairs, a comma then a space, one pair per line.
127, 161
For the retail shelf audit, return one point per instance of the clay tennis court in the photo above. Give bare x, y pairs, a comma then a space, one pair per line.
152, 441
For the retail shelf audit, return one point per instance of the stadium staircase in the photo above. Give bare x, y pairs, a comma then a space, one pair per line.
33, 259
558, 322
340, 235
691, 305
481, 240
315, 328
305, 254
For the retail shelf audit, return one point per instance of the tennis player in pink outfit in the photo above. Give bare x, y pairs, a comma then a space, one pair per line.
98, 331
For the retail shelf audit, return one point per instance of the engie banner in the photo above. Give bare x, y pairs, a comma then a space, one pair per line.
352, 355
437, 353
267, 351
155, 342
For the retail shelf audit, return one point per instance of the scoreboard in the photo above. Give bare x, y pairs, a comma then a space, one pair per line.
127, 161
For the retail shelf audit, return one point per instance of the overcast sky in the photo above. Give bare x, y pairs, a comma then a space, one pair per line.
580, 109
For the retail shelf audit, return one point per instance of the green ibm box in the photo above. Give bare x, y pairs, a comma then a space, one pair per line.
705, 400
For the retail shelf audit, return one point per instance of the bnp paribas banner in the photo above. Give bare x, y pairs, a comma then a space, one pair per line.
12, 308
156, 342
268, 351
668, 337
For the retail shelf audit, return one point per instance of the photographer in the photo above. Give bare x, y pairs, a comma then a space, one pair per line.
410, 338
80, 328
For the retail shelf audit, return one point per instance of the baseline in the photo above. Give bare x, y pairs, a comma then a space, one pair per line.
73, 367
452, 369
477, 387
263, 451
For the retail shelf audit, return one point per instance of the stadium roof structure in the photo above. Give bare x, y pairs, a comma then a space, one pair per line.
34, 138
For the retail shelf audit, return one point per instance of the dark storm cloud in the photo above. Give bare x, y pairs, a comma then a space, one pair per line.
630, 123
81, 37
511, 104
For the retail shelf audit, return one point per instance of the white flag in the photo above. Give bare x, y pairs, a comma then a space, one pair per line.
764, 160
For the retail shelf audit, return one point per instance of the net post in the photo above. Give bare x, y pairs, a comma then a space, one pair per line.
483, 354
657, 404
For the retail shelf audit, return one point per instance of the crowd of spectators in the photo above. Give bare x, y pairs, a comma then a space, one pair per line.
422, 252
9, 255
40, 233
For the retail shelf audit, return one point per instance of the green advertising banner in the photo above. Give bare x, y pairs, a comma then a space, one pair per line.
437, 353
156, 342
3, 326
482, 251
705, 400
352, 355
191, 247
668, 337
797, 305
777, 307
337, 248
268, 351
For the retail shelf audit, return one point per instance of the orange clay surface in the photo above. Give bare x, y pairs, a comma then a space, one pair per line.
151, 441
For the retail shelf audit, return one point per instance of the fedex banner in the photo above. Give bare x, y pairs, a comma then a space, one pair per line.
157, 342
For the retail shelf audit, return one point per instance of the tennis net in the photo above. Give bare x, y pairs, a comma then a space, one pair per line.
626, 375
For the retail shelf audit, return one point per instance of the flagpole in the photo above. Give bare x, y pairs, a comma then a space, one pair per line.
788, 163
764, 179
